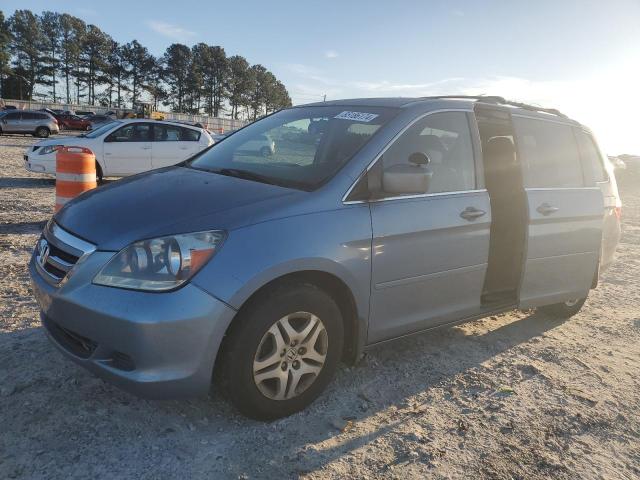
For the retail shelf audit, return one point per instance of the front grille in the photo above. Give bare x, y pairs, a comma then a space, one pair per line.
58, 251
77, 344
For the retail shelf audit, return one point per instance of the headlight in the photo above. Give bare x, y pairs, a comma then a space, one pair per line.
49, 149
161, 263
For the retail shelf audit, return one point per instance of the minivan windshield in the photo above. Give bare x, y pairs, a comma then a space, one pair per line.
299, 147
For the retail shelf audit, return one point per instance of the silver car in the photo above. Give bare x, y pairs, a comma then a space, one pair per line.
372, 220
38, 124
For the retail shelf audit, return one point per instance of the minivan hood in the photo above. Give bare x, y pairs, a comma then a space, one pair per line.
167, 201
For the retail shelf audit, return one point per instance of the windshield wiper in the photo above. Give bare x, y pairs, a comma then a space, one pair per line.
244, 174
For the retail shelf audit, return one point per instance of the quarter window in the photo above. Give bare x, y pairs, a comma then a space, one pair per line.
445, 139
549, 154
591, 156
190, 135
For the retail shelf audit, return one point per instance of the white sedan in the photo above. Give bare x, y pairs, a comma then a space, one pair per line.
126, 147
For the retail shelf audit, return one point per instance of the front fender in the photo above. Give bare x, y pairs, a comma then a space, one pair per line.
337, 242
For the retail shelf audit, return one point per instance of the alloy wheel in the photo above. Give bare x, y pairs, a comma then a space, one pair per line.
290, 356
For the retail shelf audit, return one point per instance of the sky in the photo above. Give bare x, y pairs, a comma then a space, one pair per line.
580, 56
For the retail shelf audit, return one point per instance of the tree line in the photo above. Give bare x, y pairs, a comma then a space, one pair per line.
60, 57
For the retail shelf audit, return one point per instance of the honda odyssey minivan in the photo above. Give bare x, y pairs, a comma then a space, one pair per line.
370, 220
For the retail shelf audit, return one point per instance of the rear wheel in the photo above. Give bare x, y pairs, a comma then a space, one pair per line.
42, 132
565, 309
87, 128
282, 351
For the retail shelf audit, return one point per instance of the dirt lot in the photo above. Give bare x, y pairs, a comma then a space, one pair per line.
514, 396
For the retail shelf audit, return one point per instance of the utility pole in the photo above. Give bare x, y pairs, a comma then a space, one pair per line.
324, 97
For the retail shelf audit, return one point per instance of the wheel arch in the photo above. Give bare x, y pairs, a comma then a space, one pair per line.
353, 322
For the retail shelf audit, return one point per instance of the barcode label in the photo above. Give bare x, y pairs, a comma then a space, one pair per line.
356, 116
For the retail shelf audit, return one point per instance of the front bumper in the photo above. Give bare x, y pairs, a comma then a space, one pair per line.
155, 345
35, 162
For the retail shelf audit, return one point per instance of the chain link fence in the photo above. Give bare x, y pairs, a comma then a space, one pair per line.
214, 124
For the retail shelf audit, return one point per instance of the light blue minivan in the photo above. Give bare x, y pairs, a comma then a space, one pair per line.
370, 219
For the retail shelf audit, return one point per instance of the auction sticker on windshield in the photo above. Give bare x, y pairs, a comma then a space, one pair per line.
357, 116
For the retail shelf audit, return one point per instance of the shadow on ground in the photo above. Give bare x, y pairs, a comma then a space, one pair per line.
26, 182
22, 228
207, 429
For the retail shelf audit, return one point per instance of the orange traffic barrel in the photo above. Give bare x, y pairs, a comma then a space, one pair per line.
75, 173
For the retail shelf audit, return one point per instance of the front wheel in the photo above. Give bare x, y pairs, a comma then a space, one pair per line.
99, 174
565, 309
282, 351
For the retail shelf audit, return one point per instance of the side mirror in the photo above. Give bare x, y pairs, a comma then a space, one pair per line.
404, 178
419, 158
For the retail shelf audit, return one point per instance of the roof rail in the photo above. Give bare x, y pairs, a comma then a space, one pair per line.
497, 100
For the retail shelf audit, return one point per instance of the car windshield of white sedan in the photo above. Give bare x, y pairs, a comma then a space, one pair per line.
298, 147
103, 129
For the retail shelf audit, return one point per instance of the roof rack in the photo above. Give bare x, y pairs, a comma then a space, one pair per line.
497, 100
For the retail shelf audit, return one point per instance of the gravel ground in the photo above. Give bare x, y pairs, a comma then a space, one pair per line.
518, 395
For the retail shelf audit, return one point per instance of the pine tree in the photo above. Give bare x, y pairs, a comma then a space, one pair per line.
50, 24
26, 46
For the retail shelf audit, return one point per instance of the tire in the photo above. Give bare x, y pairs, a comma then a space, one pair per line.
265, 152
87, 128
565, 309
258, 347
99, 175
42, 132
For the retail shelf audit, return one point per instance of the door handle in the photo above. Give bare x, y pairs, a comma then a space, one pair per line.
146, 148
471, 213
546, 209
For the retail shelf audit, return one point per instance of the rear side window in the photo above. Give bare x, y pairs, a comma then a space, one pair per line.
549, 154
173, 133
29, 116
591, 156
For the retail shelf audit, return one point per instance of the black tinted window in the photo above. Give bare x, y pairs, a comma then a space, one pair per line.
29, 116
189, 135
12, 116
591, 157
549, 154
134, 132
446, 140
174, 133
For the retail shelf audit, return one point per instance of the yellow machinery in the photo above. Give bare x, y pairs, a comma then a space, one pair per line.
145, 110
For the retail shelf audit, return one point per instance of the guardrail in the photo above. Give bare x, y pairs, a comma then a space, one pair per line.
217, 124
